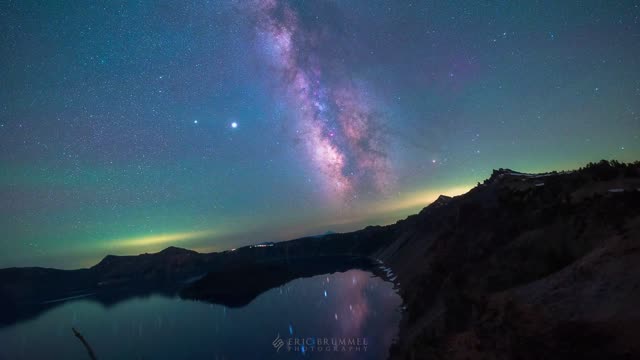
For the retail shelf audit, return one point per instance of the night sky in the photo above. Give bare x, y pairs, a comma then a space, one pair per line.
127, 127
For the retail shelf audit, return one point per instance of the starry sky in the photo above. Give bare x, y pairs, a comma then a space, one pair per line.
127, 127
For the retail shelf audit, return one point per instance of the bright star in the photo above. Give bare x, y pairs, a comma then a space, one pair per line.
195, 121
234, 125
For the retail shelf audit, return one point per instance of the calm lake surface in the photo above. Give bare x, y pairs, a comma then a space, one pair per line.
351, 306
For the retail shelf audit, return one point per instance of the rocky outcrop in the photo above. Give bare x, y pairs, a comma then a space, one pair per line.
524, 266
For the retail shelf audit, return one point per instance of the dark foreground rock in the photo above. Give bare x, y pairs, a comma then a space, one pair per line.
525, 267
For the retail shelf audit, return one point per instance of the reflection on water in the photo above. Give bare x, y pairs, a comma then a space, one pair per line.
350, 306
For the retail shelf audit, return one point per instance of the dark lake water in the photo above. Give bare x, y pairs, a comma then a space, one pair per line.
354, 310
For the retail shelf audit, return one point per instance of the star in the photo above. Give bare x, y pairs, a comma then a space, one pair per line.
195, 121
234, 125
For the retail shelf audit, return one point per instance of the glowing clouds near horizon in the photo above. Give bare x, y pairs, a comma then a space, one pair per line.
334, 119
159, 239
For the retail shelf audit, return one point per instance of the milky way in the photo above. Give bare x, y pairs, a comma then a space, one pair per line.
335, 120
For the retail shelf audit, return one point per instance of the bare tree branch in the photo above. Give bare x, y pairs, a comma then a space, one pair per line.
92, 355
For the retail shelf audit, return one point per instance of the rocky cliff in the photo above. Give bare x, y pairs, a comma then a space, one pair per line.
524, 266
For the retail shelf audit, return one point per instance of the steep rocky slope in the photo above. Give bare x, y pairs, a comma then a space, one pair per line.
524, 267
